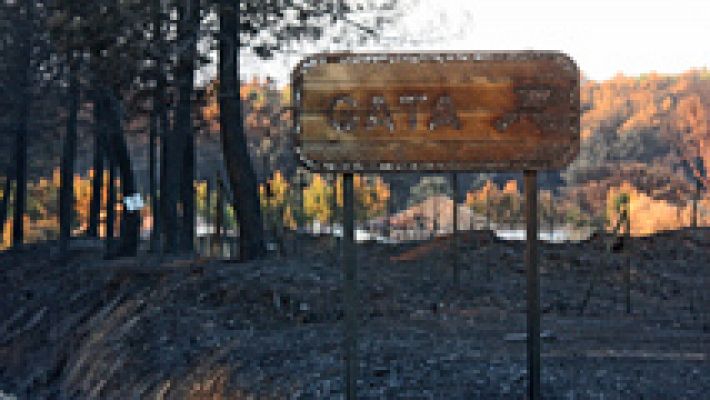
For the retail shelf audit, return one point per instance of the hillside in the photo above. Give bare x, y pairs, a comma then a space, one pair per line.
205, 329
654, 120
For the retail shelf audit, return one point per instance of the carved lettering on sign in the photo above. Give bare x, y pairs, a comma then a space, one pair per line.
341, 114
379, 114
532, 103
410, 103
444, 113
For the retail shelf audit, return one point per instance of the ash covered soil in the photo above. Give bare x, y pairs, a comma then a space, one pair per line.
199, 328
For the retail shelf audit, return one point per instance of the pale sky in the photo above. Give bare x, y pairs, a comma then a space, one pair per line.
605, 37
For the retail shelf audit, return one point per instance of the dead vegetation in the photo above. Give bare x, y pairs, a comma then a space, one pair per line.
183, 328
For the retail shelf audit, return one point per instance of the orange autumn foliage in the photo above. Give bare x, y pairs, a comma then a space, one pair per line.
649, 216
254, 93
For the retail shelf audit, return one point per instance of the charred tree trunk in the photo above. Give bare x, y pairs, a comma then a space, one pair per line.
20, 188
234, 146
110, 206
488, 210
154, 133
154, 233
5, 201
168, 194
168, 235
187, 197
219, 218
187, 35
696, 197
168, 160
98, 167
130, 221
18, 225
66, 189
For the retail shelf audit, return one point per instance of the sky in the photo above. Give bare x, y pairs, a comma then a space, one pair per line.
605, 37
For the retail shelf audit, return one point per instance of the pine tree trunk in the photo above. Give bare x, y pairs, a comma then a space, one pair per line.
168, 160
168, 198
187, 36
18, 225
152, 142
168, 193
488, 210
219, 218
66, 189
187, 196
110, 206
696, 196
98, 167
130, 221
234, 146
5, 201
154, 233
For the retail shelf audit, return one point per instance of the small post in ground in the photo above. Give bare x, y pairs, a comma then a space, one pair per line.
455, 236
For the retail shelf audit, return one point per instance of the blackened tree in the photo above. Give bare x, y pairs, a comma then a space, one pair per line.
265, 27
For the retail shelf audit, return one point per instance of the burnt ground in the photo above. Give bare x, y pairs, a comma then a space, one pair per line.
199, 328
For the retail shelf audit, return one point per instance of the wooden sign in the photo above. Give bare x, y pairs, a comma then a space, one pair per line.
477, 111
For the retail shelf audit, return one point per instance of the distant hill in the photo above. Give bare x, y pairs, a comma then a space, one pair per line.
652, 119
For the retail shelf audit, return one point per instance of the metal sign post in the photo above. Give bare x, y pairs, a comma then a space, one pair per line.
334, 242
349, 268
552, 214
530, 177
455, 237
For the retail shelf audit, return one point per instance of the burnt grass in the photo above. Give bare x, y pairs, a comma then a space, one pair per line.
201, 328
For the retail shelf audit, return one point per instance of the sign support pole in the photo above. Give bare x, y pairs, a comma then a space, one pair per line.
455, 237
533, 289
334, 242
349, 264
552, 214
